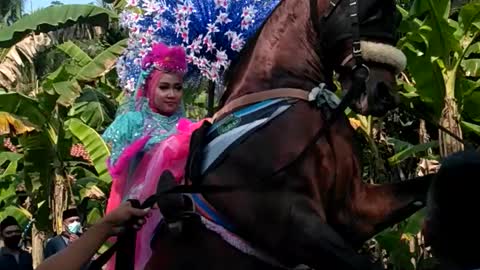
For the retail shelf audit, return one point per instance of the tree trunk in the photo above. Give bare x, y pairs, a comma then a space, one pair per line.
450, 120
59, 201
38, 237
425, 166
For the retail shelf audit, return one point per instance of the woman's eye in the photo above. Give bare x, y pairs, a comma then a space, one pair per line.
163, 87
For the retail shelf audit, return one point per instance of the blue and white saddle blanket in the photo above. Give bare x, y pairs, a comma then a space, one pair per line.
236, 127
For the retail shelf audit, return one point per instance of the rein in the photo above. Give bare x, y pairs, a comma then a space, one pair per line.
260, 96
126, 243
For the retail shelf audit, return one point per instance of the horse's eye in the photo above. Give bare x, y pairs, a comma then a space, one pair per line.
374, 17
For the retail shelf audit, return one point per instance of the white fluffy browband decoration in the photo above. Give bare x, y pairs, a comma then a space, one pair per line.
381, 53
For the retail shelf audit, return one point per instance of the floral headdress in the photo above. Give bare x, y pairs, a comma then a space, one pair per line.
212, 32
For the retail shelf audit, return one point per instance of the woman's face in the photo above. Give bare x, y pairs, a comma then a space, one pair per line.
168, 93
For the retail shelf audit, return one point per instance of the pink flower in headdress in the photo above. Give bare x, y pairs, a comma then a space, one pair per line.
221, 3
151, 6
223, 18
132, 3
212, 28
196, 44
159, 24
172, 59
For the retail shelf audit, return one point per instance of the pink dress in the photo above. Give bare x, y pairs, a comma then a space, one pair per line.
169, 154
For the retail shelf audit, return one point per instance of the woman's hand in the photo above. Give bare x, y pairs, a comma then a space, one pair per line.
118, 219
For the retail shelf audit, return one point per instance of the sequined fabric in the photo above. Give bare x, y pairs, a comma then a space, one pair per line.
132, 124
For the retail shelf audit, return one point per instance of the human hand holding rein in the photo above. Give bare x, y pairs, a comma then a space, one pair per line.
80, 251
118, 220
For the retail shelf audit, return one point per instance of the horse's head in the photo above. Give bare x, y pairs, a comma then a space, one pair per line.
375, 29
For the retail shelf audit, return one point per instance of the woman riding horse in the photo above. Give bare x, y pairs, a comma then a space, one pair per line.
150, 135
315, 209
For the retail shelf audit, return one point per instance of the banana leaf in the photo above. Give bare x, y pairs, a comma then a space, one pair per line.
53, 18
75, 52
23, 106
94, 145
102, 63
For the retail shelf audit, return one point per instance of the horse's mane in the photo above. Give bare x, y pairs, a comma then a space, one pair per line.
250, 44
243, 52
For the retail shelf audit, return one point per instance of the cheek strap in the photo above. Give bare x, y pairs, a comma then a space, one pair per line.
381, 53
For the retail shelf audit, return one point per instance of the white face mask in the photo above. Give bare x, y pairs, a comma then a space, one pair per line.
74, 227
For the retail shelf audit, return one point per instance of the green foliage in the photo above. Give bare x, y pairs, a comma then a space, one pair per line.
439, 51
95, 146
94, 108
401, 244
67, 80
55, 17
102, 64
67, 111
77, 54
7, 191
406, 150
23, 106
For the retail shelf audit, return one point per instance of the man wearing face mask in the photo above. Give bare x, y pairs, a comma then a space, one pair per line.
72, 229
12, 257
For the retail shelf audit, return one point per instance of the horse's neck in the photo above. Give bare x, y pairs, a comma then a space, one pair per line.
283, 56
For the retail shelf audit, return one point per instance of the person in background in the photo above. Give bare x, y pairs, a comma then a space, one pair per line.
79, 252
72, 229
452, 223
12, 257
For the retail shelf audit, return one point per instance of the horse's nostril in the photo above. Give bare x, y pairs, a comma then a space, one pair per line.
384, 92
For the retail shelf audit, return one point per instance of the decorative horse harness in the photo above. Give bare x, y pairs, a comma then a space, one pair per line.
361, 52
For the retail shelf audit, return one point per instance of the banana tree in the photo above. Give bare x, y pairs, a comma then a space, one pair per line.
41, 30
46, 167
70, 106
61, 100
442, 53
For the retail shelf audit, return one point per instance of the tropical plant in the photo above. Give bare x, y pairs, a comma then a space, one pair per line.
21, 45
443, 66
59, 155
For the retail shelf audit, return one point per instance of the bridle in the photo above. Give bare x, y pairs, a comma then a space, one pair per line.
356, 54
360, 70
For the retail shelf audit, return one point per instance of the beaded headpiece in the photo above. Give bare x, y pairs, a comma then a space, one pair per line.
163, 58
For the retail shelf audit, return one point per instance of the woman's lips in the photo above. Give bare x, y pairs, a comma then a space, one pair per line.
171, 103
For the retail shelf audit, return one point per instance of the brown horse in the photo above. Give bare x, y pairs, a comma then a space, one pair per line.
320, 210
